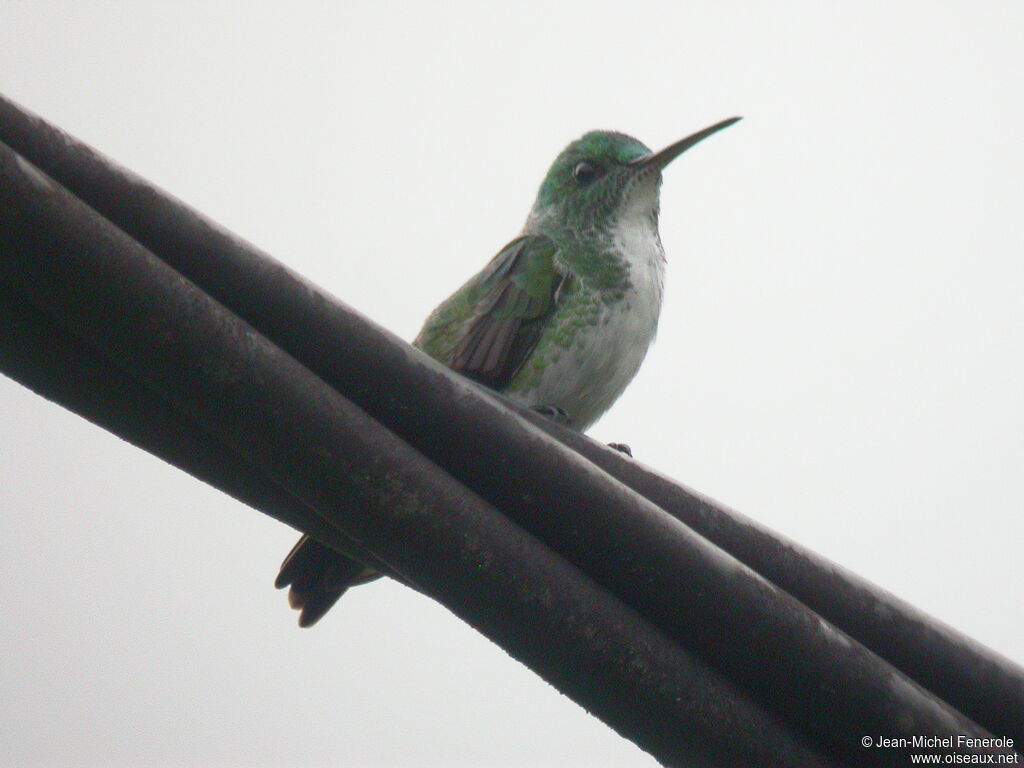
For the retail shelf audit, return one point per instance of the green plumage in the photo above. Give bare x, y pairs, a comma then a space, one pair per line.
487, 329
561, 317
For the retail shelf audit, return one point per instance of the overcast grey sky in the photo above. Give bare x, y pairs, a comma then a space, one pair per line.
839, 354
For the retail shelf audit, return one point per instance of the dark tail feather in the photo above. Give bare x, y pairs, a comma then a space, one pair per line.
318, 577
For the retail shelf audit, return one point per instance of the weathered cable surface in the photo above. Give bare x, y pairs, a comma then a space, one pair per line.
225, 271
419, 402
981, 683
235, 385
42, 355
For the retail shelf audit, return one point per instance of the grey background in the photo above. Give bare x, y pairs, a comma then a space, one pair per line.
839, 355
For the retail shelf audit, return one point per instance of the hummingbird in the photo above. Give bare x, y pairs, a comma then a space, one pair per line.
559, 320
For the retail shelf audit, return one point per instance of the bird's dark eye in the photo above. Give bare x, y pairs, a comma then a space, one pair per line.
585, 172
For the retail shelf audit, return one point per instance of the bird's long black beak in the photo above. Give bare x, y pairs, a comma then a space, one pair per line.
660, 159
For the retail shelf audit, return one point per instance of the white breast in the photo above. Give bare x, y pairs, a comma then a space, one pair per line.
636, 236
590, 375
632, 323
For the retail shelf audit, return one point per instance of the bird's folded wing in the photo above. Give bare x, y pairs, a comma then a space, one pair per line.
516, 293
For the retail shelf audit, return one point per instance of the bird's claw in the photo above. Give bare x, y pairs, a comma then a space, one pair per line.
553, 412
622, 448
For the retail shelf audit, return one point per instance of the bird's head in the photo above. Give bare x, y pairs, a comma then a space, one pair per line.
598, 178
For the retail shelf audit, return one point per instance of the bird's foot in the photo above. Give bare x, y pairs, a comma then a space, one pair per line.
553, 412
622, 448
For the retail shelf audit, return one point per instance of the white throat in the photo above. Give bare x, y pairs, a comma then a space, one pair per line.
635, 236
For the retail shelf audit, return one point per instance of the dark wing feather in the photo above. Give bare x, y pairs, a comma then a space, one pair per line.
519, 289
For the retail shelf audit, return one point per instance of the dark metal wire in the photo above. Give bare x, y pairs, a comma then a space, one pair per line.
41, 354
420, 401
979, 682
983, 684
195, 369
